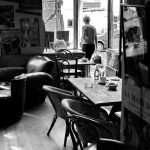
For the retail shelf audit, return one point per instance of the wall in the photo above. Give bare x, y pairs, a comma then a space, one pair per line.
17, 17
135, 95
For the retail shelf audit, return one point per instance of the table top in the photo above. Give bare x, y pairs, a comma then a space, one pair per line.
97, 93
80, 62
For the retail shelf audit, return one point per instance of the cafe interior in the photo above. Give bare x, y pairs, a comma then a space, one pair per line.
52, 97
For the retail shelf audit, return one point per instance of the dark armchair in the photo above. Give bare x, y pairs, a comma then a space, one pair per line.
37, 73
39, 70
12, 101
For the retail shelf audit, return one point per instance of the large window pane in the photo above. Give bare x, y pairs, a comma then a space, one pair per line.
58, 16
116, 24
67, 15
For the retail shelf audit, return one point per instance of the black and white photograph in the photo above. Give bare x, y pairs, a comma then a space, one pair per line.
74, 74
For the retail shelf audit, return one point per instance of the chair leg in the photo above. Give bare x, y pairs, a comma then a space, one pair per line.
77, 137
66, 135
53, 122
68, 124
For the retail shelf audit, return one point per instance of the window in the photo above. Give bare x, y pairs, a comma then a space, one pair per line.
116, 25
97, 11
58, 16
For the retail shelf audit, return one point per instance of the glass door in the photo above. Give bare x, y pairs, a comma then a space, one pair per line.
97, 11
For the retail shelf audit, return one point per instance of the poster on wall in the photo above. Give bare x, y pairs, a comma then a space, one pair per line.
6, 17
52, 16
49, 15
30, 30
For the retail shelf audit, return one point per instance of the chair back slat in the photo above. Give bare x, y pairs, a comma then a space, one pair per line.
65, 71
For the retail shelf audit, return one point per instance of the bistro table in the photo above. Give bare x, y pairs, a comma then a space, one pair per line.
86, 63
99, 94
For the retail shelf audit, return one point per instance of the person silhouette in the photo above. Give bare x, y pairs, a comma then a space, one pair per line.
89, 38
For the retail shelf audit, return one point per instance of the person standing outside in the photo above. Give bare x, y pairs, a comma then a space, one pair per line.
89, 38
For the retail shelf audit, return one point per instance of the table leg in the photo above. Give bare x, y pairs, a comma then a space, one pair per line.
112, 116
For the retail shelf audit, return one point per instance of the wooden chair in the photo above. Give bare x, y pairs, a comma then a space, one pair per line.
64, 69
55, 96
87, 124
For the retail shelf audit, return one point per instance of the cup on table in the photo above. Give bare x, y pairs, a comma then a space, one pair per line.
112, 86
102, 79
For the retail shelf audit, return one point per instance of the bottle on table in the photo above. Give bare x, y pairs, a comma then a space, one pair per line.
96, 74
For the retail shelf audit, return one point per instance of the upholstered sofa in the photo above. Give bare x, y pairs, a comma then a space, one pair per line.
37, 72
